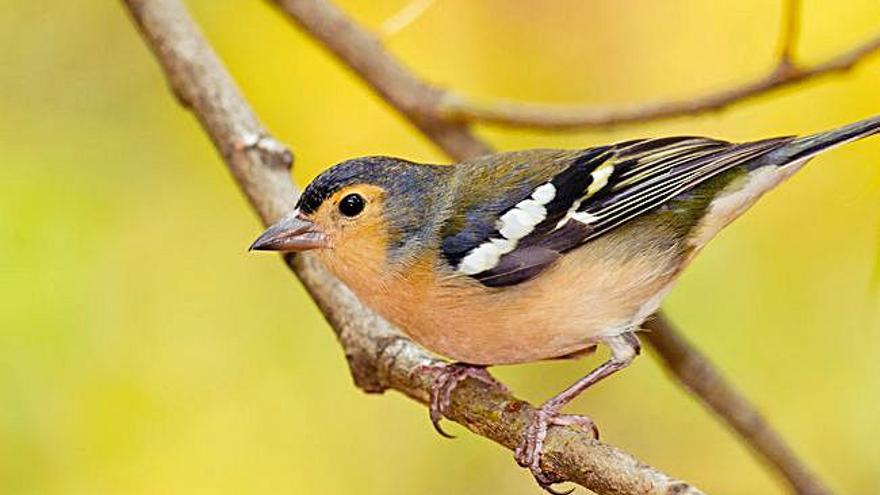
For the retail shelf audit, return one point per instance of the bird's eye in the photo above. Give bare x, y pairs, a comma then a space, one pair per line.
351, 205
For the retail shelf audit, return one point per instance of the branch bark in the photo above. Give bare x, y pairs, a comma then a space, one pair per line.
380, 358
459, 108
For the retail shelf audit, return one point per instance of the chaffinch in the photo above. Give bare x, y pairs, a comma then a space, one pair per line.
533, 255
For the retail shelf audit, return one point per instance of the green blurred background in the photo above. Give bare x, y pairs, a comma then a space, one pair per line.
143, 350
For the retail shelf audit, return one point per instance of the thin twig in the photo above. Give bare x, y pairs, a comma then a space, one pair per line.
674, 345
404, 17
716, 393
790, 31
379, 357
458, 108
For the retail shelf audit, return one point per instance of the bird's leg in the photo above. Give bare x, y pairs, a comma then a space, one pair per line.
446, 379
624, 348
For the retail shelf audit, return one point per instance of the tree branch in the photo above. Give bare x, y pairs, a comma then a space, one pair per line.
362, 52
380, 358
458, 108
670, 345
707, 384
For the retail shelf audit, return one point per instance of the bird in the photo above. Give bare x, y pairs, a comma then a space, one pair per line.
533, 255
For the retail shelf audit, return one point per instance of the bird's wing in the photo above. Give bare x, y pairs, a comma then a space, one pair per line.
596, 191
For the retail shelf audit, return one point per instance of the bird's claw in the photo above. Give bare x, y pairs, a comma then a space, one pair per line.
446, 378
528, 453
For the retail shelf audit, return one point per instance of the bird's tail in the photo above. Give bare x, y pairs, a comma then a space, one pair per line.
803, 148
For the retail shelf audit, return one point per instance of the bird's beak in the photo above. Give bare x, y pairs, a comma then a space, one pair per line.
292, 233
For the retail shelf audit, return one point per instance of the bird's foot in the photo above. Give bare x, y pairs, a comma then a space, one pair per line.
528, 454
446, 378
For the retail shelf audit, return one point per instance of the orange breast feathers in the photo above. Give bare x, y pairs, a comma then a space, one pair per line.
587, 294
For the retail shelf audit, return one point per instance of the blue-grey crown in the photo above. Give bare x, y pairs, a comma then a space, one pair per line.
392, 174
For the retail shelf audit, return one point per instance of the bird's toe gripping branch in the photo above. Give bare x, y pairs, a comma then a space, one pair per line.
446, 378
528, 454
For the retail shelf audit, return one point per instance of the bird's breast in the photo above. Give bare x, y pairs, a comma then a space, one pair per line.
591, 292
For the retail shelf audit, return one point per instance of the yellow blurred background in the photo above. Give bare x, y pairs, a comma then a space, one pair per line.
144, 351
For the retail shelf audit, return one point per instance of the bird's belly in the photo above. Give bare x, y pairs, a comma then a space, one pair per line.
585, 297
505, 340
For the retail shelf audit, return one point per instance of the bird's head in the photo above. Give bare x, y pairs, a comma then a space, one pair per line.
365, 211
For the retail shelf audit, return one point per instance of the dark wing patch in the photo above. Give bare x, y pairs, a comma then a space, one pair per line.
519, 266
571, 184
605, 188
